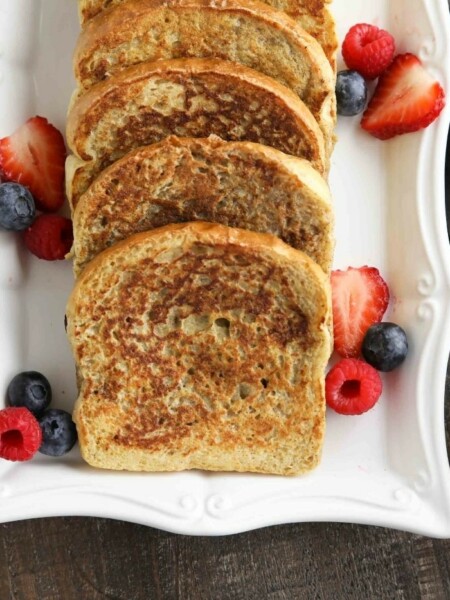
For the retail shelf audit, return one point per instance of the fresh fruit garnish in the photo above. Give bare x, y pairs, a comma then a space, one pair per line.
360, 298
352, 387
50, 237
20, 434
407, 98
385, 346
17, 208
30, 389
368, 50
351, 93
59, 433
34, 155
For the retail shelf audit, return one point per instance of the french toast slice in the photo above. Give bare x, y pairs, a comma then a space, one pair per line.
189, 98
239, 184
312, 15
200, 346
247, 32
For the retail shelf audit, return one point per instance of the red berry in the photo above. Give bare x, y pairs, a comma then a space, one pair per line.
406, 99
360, 298
50, 237
368, 50
34, 155
352, 387
20, 434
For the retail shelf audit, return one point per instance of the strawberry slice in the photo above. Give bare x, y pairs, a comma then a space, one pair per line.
34, 156
406, 99
360, 299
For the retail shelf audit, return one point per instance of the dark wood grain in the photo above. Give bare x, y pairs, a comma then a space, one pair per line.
76, 559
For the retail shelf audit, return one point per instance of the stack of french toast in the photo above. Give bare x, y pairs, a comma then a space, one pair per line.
201, 133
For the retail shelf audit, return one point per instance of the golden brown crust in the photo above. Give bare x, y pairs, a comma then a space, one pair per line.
315, 17
213, 233
248, 32
239, 184
201, 346
312, 15
90, 8
79, 125
192, 98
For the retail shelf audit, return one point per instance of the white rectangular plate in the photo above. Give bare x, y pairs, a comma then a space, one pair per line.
388, 467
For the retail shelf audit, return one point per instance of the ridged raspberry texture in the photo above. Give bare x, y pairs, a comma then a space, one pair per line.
368, 50
352, 387
407, 98
50, 237
20, 434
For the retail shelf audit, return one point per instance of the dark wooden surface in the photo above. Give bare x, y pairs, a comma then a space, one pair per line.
92, 559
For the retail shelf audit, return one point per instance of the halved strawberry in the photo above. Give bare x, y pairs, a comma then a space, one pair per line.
360, 299
34, 156
406, 99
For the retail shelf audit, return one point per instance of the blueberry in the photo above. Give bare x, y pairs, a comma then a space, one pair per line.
17, 207
385, 346
59, 433
351, 93
31, 390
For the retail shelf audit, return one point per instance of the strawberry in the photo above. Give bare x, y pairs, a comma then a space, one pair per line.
34, 155
50, 237
352, 387
20, 434
368, 50
406, 99
360, 298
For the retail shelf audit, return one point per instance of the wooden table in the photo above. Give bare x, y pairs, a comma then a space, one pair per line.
92, 559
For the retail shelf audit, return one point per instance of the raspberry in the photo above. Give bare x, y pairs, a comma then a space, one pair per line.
50, 237
20, 434
352, 387
368, 50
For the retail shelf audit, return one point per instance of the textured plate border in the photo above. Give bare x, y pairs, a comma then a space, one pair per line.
200, 504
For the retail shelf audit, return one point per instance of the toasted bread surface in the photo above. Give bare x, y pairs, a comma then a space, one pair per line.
315, 17
247, 32
312, 15
240, 184
200, 346
189, 98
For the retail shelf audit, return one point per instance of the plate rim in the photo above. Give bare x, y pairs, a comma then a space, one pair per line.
207, 518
